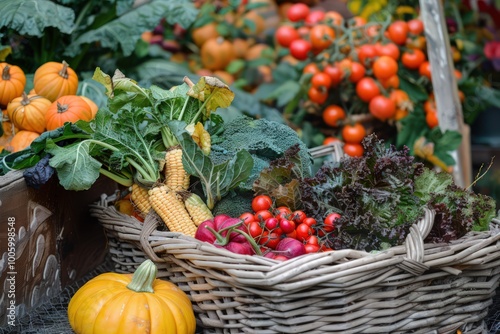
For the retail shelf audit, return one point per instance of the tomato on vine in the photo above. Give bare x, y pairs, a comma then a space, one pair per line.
425, 69
384, 67
285, 35
300, 49
321, 80
335, 74
353, 149
398, 31
261, 202
332, 114
303, 231
367, 89
317, 95
413, 58
357, 72
321, 36
415, 26
388, 49
353, 133
432, 119
311, 68
382, 107
330, 139
366, 54
297, 12
392, 82
314, 17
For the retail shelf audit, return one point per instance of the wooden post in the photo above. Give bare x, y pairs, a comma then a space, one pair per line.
444, 83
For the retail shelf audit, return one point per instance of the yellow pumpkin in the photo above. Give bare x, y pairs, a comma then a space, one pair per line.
27, 112
53, 80
21, 140
12, 82
113, 303
68, 108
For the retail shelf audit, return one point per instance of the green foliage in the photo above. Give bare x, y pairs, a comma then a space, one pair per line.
83, 32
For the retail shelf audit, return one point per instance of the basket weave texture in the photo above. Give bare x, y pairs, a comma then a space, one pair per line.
413, 288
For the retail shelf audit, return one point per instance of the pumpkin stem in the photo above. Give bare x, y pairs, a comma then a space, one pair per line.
61, 108
143, 278
25, 101
64, 70
6, 73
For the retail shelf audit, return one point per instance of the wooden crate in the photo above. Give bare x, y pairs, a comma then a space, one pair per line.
57, 242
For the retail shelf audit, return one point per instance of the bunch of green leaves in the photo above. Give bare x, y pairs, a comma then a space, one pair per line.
83, 32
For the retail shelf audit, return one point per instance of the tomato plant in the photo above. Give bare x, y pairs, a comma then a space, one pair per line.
285, 35
398, 31
367, 89
300, 49
412, 59
353, 133
382, 107
385, 67
297, 12
415, 26
303, 231
321, 80
353, 149
321, 36
317, 95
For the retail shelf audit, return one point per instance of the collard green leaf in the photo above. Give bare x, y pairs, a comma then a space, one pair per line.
124, 31
76, 169
31, 17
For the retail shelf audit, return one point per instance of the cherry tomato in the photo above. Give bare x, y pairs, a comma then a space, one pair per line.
317, 95
287, 226
329, 222
292, 234
335, 74
332, 114
321, 36
432, 119
382, 107
282, 212
300, 49
353, 133
261, 202
309, 221
398, 31
425, 70
412, 59
367, 89
314, 17
311, 248
333, 17
247, 217
298, 216
392, 82
415, 26
384, 67
389, 49
357, 72
366, 54
271, 223
254, 229
329, 139
311, 68
303, 231
280, 257
285, 35
430, 106
321, 80
269, 239
313, 240
297, 12
262, 215
353, 149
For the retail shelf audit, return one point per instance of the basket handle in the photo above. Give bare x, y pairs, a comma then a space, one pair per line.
414, 243
150, 224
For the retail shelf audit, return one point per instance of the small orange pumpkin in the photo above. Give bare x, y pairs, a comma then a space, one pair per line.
12, 82
92, 104
53, 80
202, 34
217, 53
8, 130
67, 108
21, 140
27, 112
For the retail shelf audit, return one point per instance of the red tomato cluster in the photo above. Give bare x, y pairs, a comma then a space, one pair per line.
268, 225
368, 63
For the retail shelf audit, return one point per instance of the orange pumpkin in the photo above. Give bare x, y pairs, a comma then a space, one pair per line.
68, 108
204, 33
12, 82
21, 140
53, 80
27, 112
92, 104
217, 53
8, 130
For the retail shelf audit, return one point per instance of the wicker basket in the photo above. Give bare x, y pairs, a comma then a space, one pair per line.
414, 288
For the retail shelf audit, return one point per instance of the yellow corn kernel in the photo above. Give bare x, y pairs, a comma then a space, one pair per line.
197, 209
171, 210
176, 177
139, 196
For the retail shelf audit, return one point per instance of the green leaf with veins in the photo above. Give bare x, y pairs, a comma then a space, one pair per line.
213, 93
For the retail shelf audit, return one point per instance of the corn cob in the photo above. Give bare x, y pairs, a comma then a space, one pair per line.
139, 196
171, 210
197, 209
176, 178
